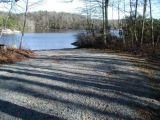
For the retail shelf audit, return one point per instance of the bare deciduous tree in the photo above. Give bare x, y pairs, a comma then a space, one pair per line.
143, 21
152, 34
24, 24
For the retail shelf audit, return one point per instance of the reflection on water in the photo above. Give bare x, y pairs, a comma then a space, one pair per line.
41, 41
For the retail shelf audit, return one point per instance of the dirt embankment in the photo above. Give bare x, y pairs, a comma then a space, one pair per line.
11, 55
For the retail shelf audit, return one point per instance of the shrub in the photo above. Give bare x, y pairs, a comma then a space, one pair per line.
87, 40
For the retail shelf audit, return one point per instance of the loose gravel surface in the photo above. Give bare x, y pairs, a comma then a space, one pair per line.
77, 85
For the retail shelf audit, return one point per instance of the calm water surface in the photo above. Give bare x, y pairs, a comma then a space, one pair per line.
42, 41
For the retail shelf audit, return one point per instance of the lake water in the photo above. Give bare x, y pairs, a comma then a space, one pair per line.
41, 41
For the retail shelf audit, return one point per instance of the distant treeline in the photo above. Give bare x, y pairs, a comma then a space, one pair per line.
44, 21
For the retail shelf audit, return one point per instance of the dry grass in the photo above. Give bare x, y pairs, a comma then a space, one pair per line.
11, 55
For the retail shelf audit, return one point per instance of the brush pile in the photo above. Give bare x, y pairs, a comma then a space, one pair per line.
12, 55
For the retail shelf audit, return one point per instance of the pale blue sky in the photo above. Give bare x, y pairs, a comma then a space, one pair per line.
71, 7
58, 6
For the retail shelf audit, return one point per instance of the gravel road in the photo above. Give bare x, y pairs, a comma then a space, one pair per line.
77, 85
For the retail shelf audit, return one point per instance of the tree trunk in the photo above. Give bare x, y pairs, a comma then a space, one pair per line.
135, 22
143, 21
106, 19
25, 17
112, 16
131, 26
104, 29
124, 24
118, 15
152, 34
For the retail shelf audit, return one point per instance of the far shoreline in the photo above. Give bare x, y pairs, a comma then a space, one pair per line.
57, 31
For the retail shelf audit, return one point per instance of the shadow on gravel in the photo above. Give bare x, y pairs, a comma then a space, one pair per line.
124, 83
24, 113
126, 101
71, 103
133, 86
